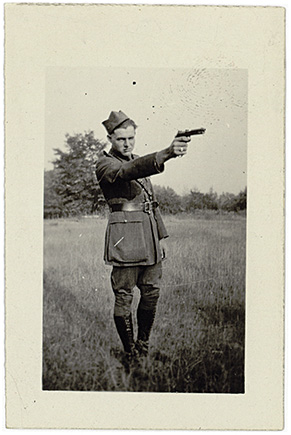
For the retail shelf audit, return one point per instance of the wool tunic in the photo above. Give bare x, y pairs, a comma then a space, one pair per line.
132, 237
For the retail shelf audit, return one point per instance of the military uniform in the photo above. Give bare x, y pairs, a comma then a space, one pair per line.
132, 239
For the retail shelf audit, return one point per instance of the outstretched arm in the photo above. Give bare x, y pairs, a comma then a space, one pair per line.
140, 167
111, 169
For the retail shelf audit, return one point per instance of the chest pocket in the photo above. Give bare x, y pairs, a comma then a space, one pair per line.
126, 238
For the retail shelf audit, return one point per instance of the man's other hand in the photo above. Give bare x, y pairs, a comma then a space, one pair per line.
163, 247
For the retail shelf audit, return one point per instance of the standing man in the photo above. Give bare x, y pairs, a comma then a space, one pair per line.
135, 230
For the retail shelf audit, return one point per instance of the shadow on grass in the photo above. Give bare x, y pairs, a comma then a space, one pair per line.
203, 372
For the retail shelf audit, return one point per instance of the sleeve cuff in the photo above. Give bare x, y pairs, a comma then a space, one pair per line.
158, 166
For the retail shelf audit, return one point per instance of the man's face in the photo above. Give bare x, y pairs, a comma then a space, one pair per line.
123, 140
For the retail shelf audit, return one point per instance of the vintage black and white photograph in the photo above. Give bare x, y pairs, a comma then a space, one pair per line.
145, 204
144, 197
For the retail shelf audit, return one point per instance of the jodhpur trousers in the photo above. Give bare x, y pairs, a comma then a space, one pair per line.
146, 278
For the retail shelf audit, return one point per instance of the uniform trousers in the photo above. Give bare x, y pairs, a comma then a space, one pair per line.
146, 278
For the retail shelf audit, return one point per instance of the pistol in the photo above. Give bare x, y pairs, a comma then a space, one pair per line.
188, 133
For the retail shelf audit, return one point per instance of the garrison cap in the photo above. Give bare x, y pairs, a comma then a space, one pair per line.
115, 119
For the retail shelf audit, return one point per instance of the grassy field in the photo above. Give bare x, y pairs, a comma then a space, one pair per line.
197, 343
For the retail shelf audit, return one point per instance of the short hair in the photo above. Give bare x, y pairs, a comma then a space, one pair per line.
125, 124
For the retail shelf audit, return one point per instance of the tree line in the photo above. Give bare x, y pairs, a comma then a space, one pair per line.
71, 187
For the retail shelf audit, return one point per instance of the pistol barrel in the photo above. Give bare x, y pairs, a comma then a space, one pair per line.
188, 133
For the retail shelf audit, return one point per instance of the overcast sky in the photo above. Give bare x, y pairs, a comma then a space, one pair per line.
161, 102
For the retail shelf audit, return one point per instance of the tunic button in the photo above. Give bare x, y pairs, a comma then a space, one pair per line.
125, 220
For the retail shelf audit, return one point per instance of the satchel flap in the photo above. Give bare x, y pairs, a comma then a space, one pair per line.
126, 216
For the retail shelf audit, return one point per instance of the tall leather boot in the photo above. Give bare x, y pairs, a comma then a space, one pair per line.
145, 320
125, 331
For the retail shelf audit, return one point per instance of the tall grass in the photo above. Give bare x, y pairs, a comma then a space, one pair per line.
197, 343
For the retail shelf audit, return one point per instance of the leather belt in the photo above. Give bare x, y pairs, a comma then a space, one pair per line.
146, 206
